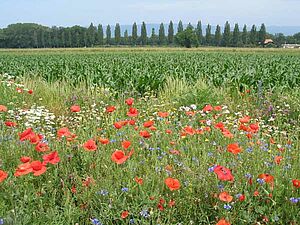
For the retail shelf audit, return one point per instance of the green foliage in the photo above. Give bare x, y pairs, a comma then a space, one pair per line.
134, 34
218, 36
236, 36
199, 32
227, 35
143, 34
161, 34
187, 38
171, 33
117, 34
108, 35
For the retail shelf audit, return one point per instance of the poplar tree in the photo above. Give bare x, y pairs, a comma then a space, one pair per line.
199, 32
100, 35
253, 35
218, 36
171, 33
108, 35
245, 35
180, 27
262, 33
208, 35
144, 34
134, 34
226, 35
236, 35
153, 38
118, 34
126, 38
161, 35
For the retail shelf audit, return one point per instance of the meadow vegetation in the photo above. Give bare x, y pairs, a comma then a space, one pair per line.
149, 136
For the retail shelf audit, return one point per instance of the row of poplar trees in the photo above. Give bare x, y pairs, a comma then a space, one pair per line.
29, 35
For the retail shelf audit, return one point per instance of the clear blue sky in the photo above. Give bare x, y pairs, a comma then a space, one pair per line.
82, 12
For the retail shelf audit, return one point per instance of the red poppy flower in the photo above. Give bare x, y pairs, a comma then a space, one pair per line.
225, 197
131, 122
23, 169
173, 184
145, 134
10, 124
223, 222
278, 159
129, 101
163, 114
227, 133
19, 90
110, 109
207, 108
52, 158
266, 177
38, 168
220, 126
223, 173
42, 147
75, 108
30, 92
149, 123
35, 138
3, 108
160, 207
124, 214
296, 183
242, 198
25, 159
139, 180
171, 203
119, 156
126, 144
234, 148
63, 132
104, 141
3, 175
245, 119
26, 135
175, 152
90, 145
218, 108
88, 181
254, 128
132, 112
118, 125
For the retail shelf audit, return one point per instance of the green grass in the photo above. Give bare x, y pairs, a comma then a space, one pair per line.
51, 199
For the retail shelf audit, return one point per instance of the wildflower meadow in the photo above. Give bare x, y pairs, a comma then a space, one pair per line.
149, 137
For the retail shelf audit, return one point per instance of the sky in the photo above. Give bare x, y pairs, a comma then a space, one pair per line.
125, 12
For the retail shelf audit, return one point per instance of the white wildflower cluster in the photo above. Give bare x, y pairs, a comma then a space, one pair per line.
93, 114
11, 81
37, 117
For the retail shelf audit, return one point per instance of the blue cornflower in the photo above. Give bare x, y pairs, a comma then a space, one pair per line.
260, 181
220, 186
125, 189
131, 221
248, 176
249, 150
95, 221
103, 192
1, 221
227, 206
294, 200
211, 169
144, 213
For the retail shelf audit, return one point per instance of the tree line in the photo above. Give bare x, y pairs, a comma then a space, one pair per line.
30, 35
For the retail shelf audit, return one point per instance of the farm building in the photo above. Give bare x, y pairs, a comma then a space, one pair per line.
291, 45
